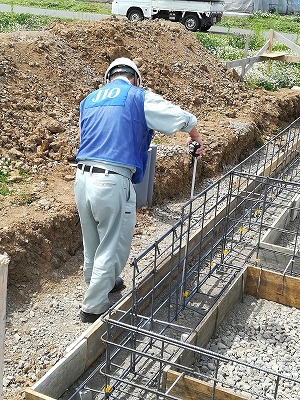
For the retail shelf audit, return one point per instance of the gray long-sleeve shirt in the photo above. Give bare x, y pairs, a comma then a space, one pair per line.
166, 117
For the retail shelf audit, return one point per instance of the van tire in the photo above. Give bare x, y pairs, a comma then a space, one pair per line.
135, 14
191, 22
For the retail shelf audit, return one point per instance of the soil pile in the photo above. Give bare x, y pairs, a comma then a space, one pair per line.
45, 74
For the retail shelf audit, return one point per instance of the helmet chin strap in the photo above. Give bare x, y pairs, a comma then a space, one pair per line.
136, 79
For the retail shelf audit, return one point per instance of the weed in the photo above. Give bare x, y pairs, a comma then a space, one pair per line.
274, 75
25, 172
10, 22
25, 198
5, 169
4, 189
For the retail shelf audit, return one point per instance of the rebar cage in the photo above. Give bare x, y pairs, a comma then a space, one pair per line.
250, 216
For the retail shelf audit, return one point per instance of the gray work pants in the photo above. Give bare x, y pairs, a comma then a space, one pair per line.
107, 209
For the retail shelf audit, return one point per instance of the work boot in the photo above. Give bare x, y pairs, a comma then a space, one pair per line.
119, 285
87, 317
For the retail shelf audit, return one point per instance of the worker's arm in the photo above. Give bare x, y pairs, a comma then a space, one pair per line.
165, 117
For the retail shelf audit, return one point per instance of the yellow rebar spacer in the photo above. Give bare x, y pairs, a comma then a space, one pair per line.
242, 229
225, 251
107, 389
257, 260
185, 294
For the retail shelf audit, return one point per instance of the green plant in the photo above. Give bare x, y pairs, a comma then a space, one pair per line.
228, 46
274, 75
5, 169
70, 5
262, 21
10, 22
6, 187
25, 198
25, 172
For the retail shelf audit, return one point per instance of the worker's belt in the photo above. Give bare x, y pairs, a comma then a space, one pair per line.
89, 168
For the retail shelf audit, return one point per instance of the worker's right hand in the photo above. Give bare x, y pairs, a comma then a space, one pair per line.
194, 136
195, 147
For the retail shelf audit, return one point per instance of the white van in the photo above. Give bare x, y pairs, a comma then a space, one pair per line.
195, 15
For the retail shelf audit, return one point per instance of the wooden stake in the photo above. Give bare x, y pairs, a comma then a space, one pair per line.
270, 49
4, 260
245, 56
271, 40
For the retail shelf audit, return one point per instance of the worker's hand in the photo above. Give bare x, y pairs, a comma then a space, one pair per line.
195, 137
195, 148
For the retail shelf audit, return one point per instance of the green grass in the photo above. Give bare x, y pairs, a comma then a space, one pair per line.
271, 75
69, 5
4, 175
7, 177
13, 21
263, 22
10, 22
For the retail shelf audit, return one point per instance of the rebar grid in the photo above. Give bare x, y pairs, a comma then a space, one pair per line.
221, 231
153, 365
252, 226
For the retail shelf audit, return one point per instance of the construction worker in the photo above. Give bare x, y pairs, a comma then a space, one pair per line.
116, 125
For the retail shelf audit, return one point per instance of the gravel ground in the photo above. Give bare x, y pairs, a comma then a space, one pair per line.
264, 334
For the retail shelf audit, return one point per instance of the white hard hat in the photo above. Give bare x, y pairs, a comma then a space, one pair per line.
123, 64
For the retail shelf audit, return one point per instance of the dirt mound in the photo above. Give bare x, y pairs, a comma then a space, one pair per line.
43, 77
45, 74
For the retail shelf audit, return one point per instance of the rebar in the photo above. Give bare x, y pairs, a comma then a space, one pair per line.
220, 232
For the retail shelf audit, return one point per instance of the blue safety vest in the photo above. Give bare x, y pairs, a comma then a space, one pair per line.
113, 127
